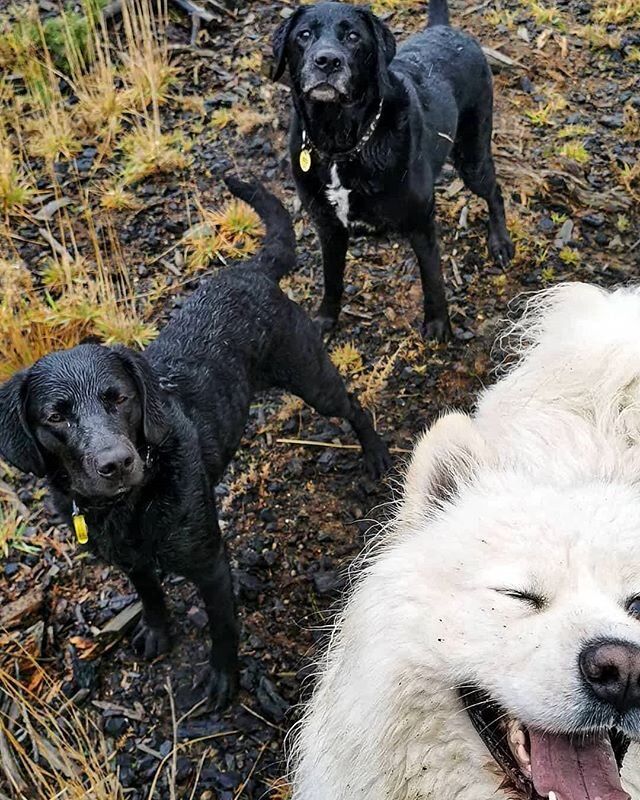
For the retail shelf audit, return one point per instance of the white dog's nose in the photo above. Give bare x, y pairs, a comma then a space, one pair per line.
612, 671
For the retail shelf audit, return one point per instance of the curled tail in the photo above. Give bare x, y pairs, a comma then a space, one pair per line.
278, 252
438, 13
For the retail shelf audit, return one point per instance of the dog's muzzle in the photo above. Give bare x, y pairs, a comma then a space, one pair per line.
326, 76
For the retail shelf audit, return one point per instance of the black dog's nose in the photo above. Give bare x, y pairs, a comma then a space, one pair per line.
114, 462
612, 670
328, 61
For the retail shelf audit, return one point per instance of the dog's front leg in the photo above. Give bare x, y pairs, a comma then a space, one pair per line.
334, 239
209, 570
424, 241
151, 636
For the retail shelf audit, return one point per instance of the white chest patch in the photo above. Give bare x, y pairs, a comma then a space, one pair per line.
338, 196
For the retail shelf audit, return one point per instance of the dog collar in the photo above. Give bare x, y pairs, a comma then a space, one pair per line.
304, 157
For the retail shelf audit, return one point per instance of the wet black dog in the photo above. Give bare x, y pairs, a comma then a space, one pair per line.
135, 443
372, 129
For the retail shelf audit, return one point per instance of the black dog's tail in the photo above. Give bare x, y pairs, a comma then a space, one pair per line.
438, 13
278, 253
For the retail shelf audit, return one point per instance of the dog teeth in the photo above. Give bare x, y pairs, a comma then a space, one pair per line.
553, 796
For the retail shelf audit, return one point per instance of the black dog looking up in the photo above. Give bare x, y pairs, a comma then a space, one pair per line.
372, 129
135, 443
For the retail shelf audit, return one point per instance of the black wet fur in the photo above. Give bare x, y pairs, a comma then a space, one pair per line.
437, 103
139, 441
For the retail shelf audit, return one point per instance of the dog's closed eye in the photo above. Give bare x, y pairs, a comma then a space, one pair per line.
633, 607
535, 600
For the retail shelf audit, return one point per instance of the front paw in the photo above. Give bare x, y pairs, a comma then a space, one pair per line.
326, 317
220, 685
377, 459
501, 247
150, 641
438, 330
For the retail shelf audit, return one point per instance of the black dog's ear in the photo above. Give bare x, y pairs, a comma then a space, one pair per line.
17, 443
279, 43
154, 420
385, 43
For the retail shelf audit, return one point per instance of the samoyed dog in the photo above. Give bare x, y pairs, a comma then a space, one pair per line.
491, 647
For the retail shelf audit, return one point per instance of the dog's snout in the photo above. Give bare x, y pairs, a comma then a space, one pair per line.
612, 671
328, 61
115, 461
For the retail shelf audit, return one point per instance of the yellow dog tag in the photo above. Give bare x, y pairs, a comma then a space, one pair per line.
80, 525
305, 160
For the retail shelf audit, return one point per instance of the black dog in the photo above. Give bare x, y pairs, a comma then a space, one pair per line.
372, 129
132, 445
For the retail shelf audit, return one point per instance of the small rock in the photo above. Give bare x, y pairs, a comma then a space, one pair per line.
326, 582
198, 617
593, 220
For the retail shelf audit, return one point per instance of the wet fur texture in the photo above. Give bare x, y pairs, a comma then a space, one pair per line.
437, 103
236, 335
538, 491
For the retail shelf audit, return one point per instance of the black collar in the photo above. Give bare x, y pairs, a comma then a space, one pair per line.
308, 146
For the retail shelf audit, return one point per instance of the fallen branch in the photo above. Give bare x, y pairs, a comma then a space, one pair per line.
499, 61
121, 623
26, 606
336, 446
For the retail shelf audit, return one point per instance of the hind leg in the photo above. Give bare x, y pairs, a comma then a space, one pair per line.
303, 367
473, 159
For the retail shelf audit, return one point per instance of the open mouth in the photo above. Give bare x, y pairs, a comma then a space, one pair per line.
539, 765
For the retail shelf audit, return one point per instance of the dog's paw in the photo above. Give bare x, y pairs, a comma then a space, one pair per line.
326, 317
150, 641
220, 685
438, 330
501, 248
377, 459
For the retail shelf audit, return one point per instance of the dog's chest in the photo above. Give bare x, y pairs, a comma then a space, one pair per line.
348, 202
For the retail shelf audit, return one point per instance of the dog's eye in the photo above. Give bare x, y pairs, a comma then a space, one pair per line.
120, 399
537, 601
55, 418
352, 36
633, 607
304, 35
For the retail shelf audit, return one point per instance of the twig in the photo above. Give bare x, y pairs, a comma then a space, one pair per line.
244, 783
54, 244
262, 719
174, 728
337, 446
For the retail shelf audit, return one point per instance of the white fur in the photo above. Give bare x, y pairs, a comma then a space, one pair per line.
338, 196
545, 481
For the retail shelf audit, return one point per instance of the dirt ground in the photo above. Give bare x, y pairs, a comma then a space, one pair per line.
567, 132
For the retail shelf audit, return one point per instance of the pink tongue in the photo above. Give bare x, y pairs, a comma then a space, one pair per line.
574, 769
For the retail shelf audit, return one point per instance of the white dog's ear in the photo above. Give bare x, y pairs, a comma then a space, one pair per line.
446, 457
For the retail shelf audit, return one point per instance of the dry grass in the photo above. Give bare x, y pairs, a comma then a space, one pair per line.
230, 233
50, 748
78, 297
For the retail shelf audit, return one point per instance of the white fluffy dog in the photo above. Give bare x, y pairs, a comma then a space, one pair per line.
491, 648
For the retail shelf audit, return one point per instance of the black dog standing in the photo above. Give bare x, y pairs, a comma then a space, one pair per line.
133, 444
372, 129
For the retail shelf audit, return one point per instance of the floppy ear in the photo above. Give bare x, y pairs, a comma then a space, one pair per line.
279, 43
385, 44
17, 443
154, 420
446, 458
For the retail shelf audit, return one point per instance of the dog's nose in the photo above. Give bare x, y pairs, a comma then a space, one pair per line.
114, 462
612, 671
328, 61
